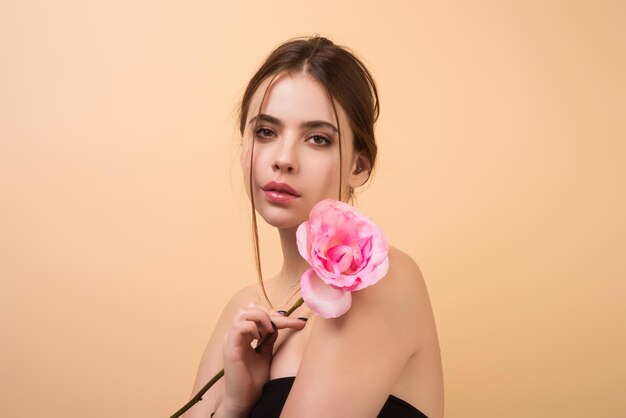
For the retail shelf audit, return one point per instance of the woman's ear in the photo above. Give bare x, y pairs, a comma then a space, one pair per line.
361, 169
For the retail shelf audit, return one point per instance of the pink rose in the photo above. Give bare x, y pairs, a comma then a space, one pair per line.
346, 251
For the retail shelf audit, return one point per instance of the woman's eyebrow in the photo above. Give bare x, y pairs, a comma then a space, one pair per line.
306, 124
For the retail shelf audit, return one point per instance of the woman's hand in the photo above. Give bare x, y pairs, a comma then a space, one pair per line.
246, 370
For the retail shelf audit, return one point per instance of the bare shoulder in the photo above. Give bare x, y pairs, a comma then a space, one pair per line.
401, 295
242, 297
398, 297
342, 350
406, 274
403, 269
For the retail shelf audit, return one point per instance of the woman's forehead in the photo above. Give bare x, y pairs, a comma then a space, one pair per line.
295, 98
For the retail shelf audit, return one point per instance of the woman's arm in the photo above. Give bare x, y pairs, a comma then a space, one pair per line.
246, 370
212, 360
351, 363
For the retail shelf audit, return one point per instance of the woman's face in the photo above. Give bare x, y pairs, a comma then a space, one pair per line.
295, 143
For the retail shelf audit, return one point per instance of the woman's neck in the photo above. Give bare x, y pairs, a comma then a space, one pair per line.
293, 263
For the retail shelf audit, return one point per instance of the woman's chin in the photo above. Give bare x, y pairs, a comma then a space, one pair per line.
282, 221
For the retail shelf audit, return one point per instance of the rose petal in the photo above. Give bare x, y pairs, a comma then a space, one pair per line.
346, 250
327, 301
303, 242
341, 255
376, 274
380, 248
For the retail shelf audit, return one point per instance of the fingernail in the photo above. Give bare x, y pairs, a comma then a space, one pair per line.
303, 319
283, 313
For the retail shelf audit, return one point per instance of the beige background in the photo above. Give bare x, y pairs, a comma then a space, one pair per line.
124, 228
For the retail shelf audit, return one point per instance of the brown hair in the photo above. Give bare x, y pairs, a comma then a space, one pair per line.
345, 79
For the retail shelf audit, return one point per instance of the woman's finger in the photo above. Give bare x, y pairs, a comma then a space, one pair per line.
282, 322
256, 313
265, 347
247, 328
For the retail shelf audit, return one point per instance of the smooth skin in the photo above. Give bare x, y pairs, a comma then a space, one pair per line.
346, 367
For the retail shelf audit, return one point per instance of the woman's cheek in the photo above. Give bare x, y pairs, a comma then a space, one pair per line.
246, 150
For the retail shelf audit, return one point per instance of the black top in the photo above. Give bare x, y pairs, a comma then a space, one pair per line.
275, 394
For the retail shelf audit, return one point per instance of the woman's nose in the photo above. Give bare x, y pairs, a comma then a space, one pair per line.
285, 158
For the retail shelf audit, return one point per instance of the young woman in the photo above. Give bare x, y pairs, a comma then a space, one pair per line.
307, 124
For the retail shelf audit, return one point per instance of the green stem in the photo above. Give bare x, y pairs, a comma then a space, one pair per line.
198, 397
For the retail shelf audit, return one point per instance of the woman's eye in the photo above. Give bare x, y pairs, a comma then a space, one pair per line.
320, 140
264, 132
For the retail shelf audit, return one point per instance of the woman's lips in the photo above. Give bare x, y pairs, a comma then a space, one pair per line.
278, 197
280, 187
